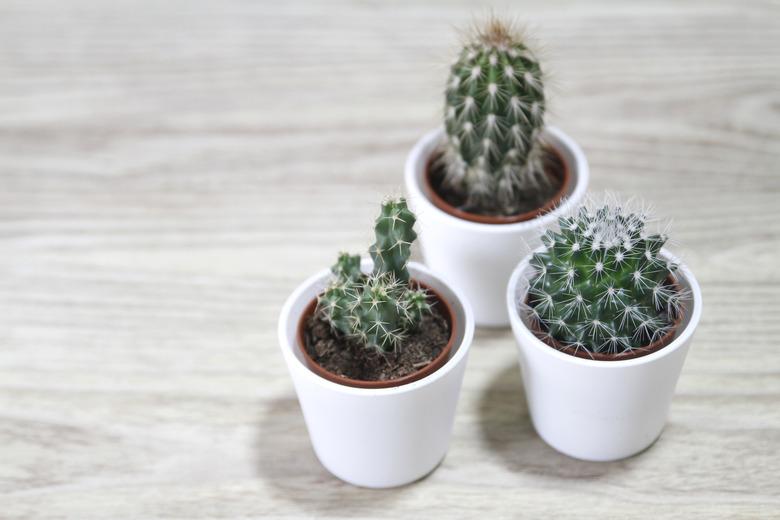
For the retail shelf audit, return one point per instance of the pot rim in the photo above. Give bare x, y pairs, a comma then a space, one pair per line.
564, 175
288, 343
684, 276
646, 350
435, 364
565, 146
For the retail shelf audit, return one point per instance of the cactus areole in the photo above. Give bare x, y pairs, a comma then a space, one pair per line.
493, 167
601, 288
362, 324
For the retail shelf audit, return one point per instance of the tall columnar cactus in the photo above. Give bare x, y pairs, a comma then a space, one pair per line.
493, 116
379, 309
601, 284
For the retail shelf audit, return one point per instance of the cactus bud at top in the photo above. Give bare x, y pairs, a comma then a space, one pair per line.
381, 308
493, 116
601, 285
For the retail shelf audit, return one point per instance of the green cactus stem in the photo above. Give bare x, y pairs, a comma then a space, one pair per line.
379, 309
394, 237
601, 284
494, 114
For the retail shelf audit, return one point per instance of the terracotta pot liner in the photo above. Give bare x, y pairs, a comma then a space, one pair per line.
562, 173
633, 354
428, 369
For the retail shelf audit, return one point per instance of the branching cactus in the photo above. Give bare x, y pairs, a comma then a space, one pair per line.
379, 309
493, 116
601, 284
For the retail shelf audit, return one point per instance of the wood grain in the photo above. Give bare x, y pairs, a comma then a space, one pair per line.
170, 171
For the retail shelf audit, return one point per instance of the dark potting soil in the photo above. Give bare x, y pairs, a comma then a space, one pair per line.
349, 358
526, 201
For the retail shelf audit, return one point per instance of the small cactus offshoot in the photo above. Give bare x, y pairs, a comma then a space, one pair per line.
380, 308
493, 117
601, 285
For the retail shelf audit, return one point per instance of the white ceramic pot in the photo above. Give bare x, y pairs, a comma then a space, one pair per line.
382, 437
599, 410
478, 258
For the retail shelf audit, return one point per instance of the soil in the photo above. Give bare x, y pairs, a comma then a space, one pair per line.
349, 358
527, 202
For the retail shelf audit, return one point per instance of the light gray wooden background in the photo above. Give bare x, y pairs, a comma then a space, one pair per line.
170, 171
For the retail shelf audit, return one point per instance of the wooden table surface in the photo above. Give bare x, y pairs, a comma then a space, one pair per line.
170, 171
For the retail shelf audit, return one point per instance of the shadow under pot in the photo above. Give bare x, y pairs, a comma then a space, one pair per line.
476, 252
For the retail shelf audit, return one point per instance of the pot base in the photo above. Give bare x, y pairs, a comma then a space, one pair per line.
589, 455
382, 483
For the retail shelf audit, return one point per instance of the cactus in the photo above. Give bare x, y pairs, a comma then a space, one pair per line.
601, 284
394, 237
379, 309
493, 116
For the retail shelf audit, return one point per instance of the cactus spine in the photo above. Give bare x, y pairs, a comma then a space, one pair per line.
601, 284
493, 116
379, 309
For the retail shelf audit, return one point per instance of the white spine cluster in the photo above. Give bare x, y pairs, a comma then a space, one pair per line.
602, 285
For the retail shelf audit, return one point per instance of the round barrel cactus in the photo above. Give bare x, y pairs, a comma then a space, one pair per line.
493, 116
381, 308
601, 284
